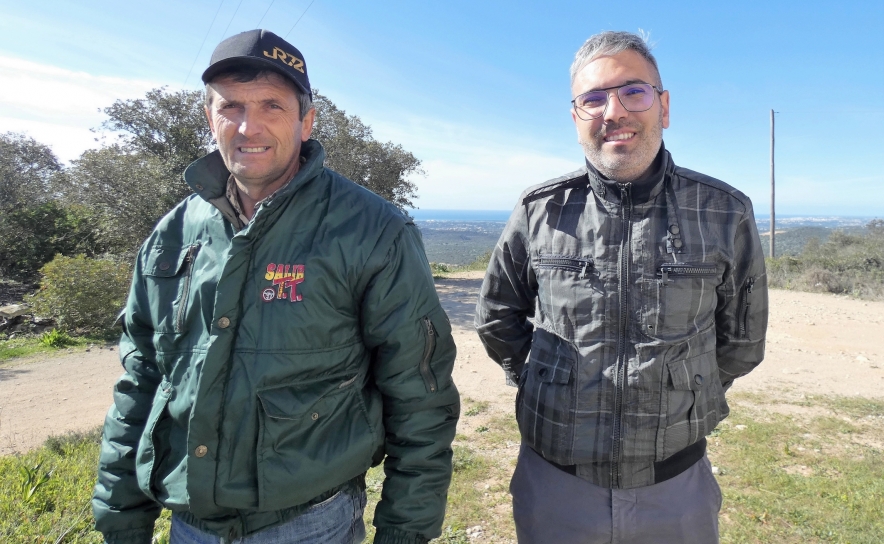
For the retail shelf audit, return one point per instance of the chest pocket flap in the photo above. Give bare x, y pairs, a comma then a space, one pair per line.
167, 262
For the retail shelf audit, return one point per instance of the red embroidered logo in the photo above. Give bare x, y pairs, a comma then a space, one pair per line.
285, 278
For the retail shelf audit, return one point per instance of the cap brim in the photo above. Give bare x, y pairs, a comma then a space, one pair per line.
224, 64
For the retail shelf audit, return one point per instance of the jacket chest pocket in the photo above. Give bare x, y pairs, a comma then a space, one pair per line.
167, 275
680, 300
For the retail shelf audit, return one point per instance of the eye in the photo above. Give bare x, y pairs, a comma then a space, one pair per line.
591, 100
634, 90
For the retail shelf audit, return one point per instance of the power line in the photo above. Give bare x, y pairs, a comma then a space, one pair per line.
231, 19
200, 50
265, 14
298, 21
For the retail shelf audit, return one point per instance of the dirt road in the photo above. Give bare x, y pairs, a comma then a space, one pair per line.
817, 344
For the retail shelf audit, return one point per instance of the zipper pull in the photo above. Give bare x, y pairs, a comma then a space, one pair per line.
429, 324
585, 272
664, 274
751, 283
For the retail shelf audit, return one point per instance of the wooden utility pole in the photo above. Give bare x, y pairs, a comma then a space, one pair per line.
772, 212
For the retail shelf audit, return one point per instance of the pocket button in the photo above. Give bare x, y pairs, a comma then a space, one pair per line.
698, 379
224, 322
201, 451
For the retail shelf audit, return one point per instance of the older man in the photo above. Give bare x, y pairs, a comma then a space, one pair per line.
623, 299
282, 336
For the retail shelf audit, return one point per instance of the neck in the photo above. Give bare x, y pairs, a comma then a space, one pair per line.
251, 194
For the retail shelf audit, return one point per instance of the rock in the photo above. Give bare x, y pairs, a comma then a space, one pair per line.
862, 359
740, 427
13, 310
715, 470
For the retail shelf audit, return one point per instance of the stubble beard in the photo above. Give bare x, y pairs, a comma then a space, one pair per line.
624, 167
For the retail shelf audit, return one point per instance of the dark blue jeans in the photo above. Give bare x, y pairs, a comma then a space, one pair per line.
337, 520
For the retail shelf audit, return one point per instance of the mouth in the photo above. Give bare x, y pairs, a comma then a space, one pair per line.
620, 136
253, 149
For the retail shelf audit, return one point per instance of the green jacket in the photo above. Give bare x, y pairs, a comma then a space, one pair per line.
268, 367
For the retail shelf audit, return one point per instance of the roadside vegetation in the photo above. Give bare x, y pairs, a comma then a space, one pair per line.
792, 470
442, 270
845, 264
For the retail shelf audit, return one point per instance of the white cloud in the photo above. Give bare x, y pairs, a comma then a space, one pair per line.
470, 167
57, 106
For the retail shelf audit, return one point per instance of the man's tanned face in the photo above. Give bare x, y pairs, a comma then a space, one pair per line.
258, 128
621, 144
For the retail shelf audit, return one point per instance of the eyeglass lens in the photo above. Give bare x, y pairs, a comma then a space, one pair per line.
635, 98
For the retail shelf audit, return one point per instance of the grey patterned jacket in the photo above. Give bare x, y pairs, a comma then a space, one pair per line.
638, 312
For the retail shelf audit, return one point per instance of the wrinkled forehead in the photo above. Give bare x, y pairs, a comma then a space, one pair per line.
603, 71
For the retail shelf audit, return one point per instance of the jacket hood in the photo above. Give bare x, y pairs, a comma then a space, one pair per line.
643, 189
208, 175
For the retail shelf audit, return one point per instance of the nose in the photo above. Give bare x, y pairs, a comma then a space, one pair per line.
614, 109
250, 124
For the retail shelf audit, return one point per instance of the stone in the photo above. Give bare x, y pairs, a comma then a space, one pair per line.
13, 310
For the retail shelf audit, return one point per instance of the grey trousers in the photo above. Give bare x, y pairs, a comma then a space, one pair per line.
551, 506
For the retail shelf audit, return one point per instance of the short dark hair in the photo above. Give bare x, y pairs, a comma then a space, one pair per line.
245, 73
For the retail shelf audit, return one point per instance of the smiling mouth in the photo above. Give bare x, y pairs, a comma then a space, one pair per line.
253, 149
619, 137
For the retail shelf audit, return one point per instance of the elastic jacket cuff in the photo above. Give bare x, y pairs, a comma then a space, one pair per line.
130, 536
389, 535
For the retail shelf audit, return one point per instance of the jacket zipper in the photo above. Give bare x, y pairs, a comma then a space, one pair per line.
425, 369
583, 266
744, 318
620, 369
185, 293
685, 270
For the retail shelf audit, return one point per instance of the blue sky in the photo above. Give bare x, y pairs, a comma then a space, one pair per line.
479, 90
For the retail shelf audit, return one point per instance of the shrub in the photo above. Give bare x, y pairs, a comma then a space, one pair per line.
56, 339
82, 294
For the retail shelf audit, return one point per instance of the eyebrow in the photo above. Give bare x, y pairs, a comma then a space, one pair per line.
627, 82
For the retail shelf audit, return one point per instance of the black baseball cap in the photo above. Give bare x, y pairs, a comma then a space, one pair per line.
261, 49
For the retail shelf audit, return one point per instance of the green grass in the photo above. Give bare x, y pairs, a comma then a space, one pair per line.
809, 471
28, 345
798, 478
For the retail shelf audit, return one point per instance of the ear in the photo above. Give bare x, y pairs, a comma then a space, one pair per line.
307, 124
664, 103
210, 120
577, 122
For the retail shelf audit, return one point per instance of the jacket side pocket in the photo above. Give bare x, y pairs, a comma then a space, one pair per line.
546, 404
312, 436
149, 449
692, 408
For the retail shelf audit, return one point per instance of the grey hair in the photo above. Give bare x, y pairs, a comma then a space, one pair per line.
245, 74
611, 43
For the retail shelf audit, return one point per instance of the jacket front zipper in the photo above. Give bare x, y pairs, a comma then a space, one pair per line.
744, 307
185, 290
583, 266
682, 270
620, 368
425, 369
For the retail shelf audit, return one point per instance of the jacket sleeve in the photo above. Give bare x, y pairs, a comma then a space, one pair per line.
506, 299
123, 513
741, 316
413, 355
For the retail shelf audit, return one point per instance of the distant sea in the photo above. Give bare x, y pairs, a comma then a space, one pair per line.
460, 215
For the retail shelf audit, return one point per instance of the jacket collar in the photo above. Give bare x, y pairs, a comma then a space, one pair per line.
642, 190
207, 176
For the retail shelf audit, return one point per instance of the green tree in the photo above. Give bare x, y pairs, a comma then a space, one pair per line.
352, 151
27, 169
170, 126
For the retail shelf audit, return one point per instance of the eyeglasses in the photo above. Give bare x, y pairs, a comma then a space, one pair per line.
635, 97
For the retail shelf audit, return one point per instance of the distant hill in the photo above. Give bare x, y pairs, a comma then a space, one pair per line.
460, 236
